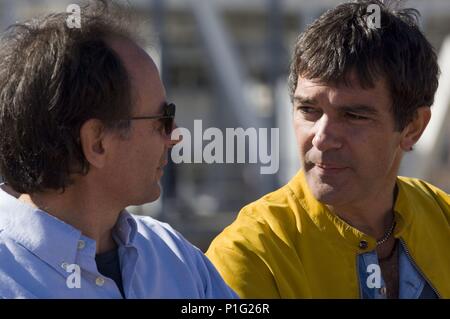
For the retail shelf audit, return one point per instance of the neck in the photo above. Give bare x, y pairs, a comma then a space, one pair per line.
373, 216
83, 208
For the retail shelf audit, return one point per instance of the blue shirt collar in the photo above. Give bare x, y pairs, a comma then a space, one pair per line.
125, 230
49, 238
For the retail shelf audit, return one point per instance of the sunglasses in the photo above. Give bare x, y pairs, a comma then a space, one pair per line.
167, 118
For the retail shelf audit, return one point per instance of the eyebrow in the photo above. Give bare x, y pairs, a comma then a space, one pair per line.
304, 100
353, 108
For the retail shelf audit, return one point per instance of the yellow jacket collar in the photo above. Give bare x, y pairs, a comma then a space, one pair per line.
323, 218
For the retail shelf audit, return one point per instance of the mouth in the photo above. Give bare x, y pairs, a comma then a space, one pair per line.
329, 168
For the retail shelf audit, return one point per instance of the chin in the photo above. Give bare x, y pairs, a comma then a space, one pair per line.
328, 196
154, 194
326, 193
150, 194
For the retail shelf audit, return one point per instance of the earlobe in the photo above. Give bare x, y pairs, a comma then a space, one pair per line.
92, 135
414, 130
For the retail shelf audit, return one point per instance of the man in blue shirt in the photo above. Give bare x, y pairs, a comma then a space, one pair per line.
85, 132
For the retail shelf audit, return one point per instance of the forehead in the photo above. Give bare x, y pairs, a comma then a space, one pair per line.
148, 90
344, 93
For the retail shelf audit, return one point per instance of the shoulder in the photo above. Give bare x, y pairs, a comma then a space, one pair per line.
423, 189
13, 271
425, 196
148, 225
260, 229
10, 252
165, 241
278, 212
261, 238
162, 236
418, 185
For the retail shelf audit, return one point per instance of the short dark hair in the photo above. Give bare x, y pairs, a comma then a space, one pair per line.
52, 80
342, 41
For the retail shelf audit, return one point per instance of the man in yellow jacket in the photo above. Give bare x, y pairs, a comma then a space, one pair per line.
346, 226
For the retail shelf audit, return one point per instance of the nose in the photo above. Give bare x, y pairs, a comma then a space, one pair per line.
326, 135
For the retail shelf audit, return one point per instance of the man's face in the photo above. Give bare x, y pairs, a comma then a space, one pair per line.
349, 148
137, 161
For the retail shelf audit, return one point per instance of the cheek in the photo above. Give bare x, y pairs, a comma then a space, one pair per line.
303, 135
375, 154
153, 152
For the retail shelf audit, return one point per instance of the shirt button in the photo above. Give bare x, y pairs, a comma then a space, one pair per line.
383, 291
363, 244
81, 244
99, 281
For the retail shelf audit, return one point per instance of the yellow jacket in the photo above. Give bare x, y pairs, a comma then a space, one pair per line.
289, 245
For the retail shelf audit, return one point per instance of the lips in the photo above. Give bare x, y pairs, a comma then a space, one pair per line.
329, 166
328, 169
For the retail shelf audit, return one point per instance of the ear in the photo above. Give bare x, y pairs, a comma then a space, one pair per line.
413, 131
93, 141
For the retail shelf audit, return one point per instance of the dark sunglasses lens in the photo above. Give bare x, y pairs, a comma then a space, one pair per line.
170, 110
168, 125
168, 121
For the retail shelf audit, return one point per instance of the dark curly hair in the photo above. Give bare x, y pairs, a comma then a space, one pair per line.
52, 80
342, 41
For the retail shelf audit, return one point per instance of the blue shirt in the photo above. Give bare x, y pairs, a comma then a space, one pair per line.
40, 257
412, 285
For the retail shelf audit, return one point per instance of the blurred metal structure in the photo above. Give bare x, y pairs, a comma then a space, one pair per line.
431, 152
